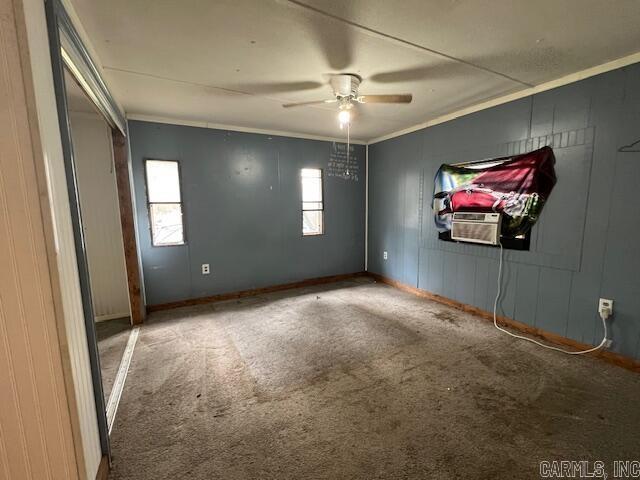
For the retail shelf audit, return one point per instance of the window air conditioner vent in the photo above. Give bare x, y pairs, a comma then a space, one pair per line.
476, 227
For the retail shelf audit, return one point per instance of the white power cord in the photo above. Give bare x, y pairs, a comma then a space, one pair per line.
603, 316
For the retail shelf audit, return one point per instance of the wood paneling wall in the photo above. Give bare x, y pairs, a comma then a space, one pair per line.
582, 248
61, 248
245, 220
36, 435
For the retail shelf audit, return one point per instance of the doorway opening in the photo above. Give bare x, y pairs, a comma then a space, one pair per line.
92, 144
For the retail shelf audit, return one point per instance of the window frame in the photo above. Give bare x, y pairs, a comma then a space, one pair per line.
302, 202
149, 203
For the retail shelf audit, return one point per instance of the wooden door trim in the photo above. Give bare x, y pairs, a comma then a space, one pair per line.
125, 200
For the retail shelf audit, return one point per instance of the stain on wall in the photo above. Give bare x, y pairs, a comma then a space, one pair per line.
242, 211
585, 244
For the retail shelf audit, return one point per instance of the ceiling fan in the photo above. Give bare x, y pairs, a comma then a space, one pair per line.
345, 89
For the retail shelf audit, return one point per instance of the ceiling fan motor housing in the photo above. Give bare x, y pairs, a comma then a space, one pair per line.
345, 85
345, 90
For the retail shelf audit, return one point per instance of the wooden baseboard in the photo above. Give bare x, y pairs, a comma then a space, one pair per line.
611, 357
255, 291
103, 469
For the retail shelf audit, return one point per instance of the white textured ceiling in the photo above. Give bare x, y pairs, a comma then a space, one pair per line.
235, 62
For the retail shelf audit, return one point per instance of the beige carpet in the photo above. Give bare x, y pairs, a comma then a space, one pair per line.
357, 380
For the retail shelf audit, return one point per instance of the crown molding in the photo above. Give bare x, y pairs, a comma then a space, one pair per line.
236, 128
543, 87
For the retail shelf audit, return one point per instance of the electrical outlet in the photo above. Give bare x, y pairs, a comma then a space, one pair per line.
605, 306
608, 343
384, 255
205, 269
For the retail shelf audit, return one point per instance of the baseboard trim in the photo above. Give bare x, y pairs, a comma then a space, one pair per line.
611, 357
103, 469
254, 291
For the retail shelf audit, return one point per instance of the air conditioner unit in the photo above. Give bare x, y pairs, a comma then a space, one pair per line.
476, 227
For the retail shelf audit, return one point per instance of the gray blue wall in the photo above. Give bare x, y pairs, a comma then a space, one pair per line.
586, 244
242, 208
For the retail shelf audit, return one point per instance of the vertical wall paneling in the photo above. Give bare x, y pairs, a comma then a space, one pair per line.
36, 439
63, 260
581, 249
242, 210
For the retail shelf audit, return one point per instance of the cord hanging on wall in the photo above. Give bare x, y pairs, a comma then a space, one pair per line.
345, 121
348, 147
631, 148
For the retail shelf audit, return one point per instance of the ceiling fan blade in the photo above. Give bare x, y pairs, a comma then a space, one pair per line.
397, 98
277, 87
336, 44
333, 36
446, 69
314, 102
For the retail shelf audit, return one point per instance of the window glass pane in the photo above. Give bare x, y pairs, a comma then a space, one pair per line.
311, 189
311, 205
312, 222
163, 181
311, 172
166, 223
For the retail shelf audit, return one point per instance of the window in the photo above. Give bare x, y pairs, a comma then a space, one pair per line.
312, 202
519, 242
164, 201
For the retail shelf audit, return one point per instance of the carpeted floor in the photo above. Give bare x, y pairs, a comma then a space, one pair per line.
357, 380
112, 338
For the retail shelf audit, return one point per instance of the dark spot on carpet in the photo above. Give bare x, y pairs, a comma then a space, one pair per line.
447, 317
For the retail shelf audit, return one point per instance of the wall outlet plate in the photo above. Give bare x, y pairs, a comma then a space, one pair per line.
205, 269
384, 255
605, 304
608, 343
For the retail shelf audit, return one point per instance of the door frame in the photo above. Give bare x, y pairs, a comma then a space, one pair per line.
68, 51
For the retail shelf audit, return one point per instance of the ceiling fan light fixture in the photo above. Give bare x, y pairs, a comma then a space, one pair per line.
344, 116
345, 93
